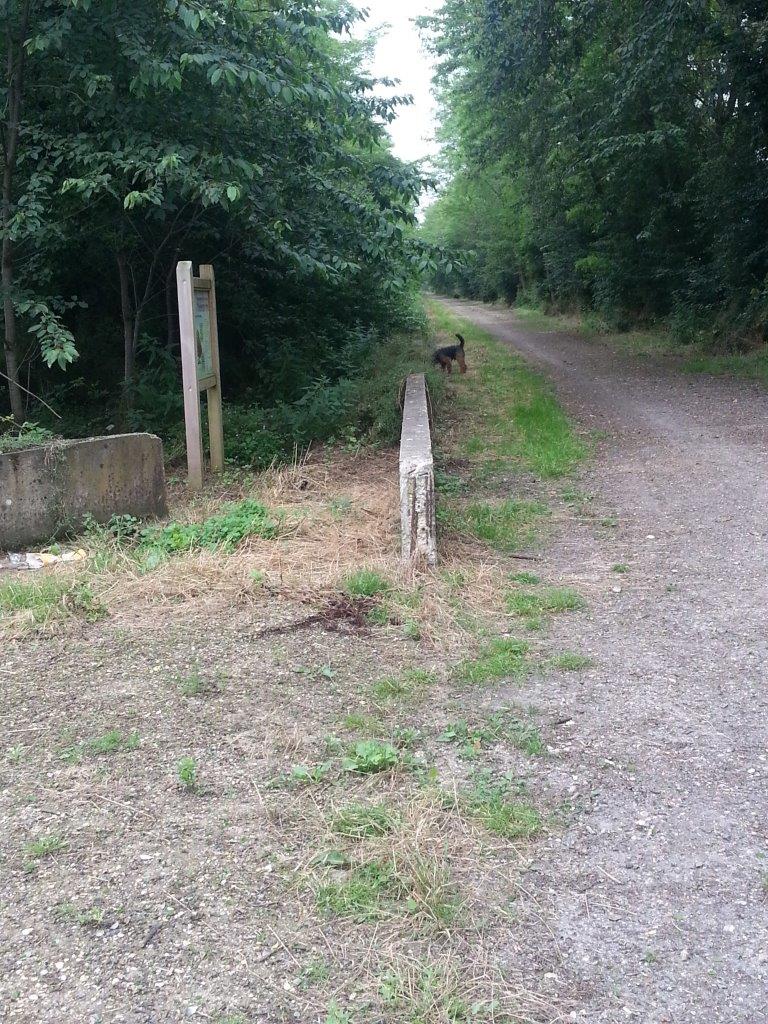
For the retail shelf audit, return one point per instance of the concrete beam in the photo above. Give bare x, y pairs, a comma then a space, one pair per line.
47, 491
417, 476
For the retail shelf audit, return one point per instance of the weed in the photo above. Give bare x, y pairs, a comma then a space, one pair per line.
620, 568
554, 600
371, 756
90, 918
48, 598
46, 846
489, 801
221, 532
358, 721
340, 507
337, 1016
406, 686
412, 630
112, 742
506, 526
361, 895
316, 972
365, 583
191, 685
14, 754
432, 994
501, 658
500, 726
449, 483
570, 662
312, 775
186, 773
528, 579
360, 821
609, 522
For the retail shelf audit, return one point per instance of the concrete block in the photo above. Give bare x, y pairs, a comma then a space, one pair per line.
47, 491
417, 476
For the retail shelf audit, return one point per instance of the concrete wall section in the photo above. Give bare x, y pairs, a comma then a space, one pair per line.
46, 491
417, 476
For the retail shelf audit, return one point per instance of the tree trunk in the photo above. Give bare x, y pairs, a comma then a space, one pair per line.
172, 308
129, 343
14, 81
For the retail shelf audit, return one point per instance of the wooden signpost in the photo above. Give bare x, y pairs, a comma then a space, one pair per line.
200, 368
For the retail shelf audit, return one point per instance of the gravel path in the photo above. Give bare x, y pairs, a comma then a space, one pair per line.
653, 905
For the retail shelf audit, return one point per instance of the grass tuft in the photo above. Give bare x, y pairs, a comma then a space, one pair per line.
361, 821
505, 526
112, 742
499, 659
366, 583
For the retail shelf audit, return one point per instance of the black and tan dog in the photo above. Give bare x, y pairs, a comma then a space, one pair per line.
444, 357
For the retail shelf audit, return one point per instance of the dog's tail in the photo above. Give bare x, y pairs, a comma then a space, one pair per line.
462, 343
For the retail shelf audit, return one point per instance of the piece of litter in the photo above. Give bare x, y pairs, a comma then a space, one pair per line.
41, 559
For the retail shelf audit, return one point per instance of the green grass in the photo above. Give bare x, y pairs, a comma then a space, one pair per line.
490, 801
361, 721
621, 568
752, 365
553, 600
112, 742
46, 846
514, 409
362, 896
361, 821
471, 738
407, 686
570, 662
410, 884
48, 597
527, 579
498, 659
505, 526
366, 583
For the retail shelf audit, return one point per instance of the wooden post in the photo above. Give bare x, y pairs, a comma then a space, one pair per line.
189, 374
215, 417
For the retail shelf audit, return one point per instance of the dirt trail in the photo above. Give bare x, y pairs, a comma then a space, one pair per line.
653, 905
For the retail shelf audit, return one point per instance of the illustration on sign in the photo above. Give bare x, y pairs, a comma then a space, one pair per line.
203, 334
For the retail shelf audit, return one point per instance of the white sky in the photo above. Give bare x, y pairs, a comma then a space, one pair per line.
400, 55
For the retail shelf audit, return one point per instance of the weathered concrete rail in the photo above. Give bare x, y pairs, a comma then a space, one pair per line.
417, 476
46, 491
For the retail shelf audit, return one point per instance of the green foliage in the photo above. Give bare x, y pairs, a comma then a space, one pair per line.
15, 438
369, 757
186, 774
363, 895
225, 531
589, 166
249, 134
